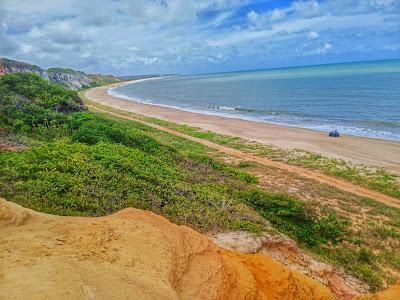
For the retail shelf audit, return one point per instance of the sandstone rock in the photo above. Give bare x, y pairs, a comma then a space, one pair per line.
286, 251
132, 254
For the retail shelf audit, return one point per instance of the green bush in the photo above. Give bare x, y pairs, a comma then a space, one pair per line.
366, 256
28, 102
247, 226
73, 178
292, 216
90, 129
367, 274
40, 92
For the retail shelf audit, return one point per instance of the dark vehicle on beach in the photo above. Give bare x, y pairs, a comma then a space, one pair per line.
334, 133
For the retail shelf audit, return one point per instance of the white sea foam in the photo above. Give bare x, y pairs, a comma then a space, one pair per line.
232, 112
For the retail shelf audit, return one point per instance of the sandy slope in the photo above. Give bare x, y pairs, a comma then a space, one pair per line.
132, 254
367, 151
392, 293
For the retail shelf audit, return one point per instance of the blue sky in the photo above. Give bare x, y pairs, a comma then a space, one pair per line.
196, 36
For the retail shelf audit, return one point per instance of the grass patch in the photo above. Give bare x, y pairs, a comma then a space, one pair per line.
371, 177
293, 217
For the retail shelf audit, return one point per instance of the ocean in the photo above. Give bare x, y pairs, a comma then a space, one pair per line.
361, 99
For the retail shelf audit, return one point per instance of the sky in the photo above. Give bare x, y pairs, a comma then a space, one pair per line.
124, 37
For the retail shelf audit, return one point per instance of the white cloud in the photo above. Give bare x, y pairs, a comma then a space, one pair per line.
252, 16
309, 8
313, 35
266, 19
298, 25
277, 14
392, 47
322, 50
7, 45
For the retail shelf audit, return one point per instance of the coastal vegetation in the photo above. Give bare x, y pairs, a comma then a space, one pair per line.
100, 79
86, 164
371, 177
62, 70
76, 162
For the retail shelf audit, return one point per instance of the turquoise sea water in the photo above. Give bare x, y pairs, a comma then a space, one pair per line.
360, 99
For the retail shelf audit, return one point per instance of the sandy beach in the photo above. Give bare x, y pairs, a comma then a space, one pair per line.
371, 152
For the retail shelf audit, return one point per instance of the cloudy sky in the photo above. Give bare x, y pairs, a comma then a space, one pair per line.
196, 36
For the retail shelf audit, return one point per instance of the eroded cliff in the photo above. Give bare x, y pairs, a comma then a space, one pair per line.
132, 254
70, 78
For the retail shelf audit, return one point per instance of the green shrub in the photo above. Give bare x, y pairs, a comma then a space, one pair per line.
292, 216
366, 256
90, 129
28, 102
73, 178
367, 274
247, 226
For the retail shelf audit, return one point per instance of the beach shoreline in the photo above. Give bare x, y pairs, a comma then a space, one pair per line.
360, 150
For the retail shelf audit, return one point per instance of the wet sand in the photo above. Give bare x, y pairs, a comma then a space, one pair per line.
368, 151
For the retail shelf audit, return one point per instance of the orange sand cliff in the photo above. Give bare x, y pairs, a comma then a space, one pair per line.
132, 254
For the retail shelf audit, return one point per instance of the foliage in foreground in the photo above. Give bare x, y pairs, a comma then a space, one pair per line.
104, 165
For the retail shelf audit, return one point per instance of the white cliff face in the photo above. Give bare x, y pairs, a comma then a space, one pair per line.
74, 81
69, 78
10, 66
